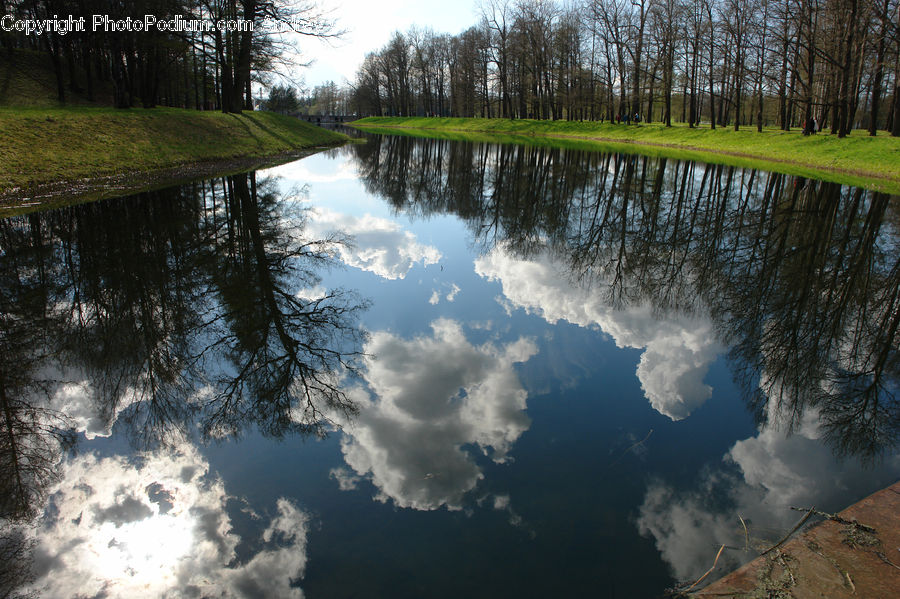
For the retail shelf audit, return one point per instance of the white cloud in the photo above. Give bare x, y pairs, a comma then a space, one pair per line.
433, 395
157, 527
451, 295
688, 533
75, 401
799, 468
325, 171
678, 349
347, 481
314, 293
501, 503
379, 245
270, 572
75, 397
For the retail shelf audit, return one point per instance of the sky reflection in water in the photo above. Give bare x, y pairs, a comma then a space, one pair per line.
568, 371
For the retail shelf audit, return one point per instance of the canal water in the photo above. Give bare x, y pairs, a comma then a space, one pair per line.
432, 368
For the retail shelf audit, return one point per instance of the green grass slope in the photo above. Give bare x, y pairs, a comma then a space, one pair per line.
51, 145
43, 142
859, 159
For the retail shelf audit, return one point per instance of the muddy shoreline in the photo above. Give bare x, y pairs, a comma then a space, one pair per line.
42, 196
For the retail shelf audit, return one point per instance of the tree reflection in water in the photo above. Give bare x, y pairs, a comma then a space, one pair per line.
801, 278
163, 312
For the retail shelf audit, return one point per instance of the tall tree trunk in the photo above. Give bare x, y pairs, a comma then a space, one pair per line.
895, 112
844, 116
879, 69
53, 48
712, 91
226, 81
738, 85
782, 82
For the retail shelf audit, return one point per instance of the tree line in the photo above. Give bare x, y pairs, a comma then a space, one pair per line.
199, 66
323, 99
733, 63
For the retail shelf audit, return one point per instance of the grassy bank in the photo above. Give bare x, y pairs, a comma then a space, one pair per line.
40, 146
872, 162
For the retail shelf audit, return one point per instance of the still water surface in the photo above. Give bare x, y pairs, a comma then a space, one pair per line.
419, 368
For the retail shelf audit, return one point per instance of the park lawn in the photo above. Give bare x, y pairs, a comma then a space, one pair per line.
872, 162
43, 145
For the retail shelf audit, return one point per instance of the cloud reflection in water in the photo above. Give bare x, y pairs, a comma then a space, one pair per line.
678, 350
432, 396
158, 527
379, 245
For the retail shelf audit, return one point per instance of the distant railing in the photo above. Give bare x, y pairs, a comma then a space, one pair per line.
328, 118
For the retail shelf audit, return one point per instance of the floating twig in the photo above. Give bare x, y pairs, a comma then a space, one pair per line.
885, 559
792, 531
622, 455
746, 534
721, 549
835, 518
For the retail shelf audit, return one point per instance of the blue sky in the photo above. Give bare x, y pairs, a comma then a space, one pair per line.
369, 26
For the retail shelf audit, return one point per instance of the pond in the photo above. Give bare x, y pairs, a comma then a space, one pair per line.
432, 368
